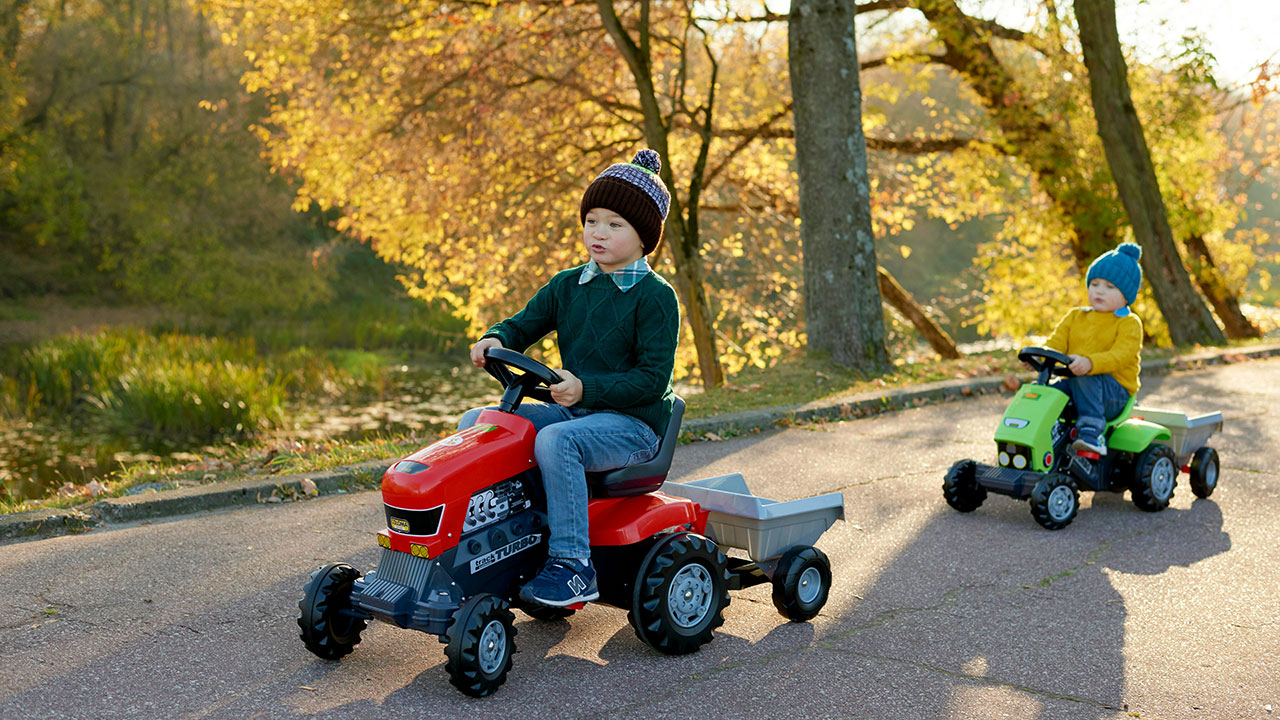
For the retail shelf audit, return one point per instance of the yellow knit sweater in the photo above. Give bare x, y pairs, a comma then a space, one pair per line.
1113, 344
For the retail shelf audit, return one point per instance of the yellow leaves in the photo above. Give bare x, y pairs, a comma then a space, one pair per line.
905, 250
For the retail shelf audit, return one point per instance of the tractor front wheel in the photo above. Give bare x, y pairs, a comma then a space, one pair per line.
961, 488
1204, 472
480, 643
329, 626
1155, 475
680, 594
1055, 501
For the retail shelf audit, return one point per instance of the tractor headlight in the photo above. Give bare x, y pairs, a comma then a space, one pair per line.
1019, 461
1004, 459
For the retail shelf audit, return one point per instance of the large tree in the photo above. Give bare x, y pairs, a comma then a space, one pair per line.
1126, 148
842, 299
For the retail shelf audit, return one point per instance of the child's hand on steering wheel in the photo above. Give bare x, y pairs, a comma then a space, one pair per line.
568, 391
1080, 365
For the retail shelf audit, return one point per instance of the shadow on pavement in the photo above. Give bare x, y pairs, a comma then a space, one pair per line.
1019, 633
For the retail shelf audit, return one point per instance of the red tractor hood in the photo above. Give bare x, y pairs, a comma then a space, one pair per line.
445, 474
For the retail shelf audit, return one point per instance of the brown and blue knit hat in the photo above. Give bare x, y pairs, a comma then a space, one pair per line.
635, 191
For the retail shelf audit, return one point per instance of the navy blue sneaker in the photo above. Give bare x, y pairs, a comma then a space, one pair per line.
562, 582
1091, 441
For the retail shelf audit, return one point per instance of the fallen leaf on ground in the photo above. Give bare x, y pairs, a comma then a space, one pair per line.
309, 487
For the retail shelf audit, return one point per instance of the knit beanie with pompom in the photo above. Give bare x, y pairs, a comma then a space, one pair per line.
634, 191
1120, 268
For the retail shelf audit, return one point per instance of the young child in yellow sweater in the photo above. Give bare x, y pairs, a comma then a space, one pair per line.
1104, 341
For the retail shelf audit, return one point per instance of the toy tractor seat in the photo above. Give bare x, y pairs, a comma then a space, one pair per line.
1124, 414
647, 476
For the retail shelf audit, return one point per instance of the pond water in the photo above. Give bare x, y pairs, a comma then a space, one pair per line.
36, 458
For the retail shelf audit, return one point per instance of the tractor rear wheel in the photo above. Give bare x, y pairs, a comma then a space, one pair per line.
1155, 475
680, 594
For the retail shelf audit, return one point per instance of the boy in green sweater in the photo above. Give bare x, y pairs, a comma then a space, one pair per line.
1104, 341
616, 323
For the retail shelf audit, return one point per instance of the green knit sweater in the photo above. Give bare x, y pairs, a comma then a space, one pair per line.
622, 345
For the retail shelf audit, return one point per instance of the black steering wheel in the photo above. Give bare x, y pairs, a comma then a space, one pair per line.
1046, 362
533, 381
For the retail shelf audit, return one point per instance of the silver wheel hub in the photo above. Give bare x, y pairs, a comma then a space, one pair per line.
1061, 502
1162, 479
1211, 474
690, 596
810, 585
493, 647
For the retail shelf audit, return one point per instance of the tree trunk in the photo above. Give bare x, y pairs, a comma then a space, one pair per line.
842, 299
678, 232
901, 300
1187, 316
1225, 303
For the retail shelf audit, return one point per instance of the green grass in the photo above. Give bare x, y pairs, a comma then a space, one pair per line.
169, 388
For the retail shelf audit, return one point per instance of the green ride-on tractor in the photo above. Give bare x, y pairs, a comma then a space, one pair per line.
1145, 450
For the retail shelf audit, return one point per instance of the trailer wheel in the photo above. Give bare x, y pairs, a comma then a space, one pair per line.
801, 583
1155, 476
680, 594
328, 627
1204, 472
1055, 501
961, 488
481, 641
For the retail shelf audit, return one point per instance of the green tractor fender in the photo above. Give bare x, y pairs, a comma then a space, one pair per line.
1135, 435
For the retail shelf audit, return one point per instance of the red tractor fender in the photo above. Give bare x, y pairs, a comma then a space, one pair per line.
628, 520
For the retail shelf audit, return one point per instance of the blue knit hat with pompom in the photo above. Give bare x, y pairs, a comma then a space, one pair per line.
1120, 268
634, 191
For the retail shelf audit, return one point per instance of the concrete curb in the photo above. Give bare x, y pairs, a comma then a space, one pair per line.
187, 500
269, 490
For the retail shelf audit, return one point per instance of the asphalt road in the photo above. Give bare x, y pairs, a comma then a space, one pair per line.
933, 613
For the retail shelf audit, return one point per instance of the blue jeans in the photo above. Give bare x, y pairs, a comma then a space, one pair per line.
1098, 398
570, 443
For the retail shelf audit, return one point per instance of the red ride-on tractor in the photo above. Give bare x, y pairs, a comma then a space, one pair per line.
466, 528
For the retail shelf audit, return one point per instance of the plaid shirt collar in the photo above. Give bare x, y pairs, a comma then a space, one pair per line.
625, 278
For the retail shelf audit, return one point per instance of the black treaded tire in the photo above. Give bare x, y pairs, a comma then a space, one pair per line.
479, 645
1155, 475
325, 628
961, 488
1204, 472
680, 594
802, 583
546, 614
1055, 501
